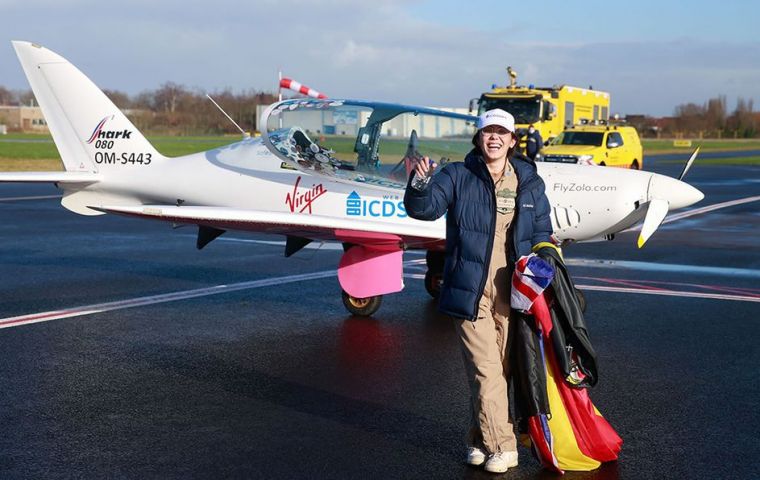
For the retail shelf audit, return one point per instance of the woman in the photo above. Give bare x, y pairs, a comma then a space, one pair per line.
496, 211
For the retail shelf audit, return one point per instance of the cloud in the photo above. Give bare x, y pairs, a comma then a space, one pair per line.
374, 50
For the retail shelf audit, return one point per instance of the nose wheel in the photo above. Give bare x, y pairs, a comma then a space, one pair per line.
434, 275
363, 307
433, 281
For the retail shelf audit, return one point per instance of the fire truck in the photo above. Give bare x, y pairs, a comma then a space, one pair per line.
549, 109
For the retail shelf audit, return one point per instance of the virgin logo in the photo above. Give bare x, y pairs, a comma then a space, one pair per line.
302, 200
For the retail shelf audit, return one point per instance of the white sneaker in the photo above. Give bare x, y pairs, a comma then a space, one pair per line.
501, 461
475, 456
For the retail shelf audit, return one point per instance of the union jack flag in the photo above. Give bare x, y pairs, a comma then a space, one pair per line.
532, 276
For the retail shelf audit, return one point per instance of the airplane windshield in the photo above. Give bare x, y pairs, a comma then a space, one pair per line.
525, 110
365, 141
579, 138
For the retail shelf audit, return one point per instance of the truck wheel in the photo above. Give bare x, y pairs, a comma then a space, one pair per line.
433, 283
363, 307
602, 164
635, 165
581, 300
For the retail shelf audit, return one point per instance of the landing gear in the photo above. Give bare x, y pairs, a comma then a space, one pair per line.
433, 281
434, 274
363, 307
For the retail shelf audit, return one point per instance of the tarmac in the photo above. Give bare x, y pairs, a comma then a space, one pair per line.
151, 359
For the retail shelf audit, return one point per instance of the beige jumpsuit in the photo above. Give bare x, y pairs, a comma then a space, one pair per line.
484, 341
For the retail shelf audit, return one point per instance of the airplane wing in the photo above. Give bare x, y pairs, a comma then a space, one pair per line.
314, 227
49, 177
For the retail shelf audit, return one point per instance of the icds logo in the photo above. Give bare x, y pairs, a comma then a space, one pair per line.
302, 200
389, 206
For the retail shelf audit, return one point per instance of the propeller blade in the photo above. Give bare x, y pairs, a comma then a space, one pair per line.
688, 164
658, 208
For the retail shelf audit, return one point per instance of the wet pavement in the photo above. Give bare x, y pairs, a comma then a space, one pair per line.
276, 380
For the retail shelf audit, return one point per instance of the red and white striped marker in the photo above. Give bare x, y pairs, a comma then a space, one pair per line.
293, 85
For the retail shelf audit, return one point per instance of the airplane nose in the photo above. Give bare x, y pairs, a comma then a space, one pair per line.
678, 194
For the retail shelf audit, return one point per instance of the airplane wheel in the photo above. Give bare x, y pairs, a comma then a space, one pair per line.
635, 165
363, 307
433, 283
581, 300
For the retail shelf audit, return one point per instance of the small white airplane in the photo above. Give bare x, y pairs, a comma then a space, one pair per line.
322, 170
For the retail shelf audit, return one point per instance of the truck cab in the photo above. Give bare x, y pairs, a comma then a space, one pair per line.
605, 145
549, 109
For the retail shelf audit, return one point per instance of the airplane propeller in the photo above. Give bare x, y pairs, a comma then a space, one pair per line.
688, 164
658, 208
665, 193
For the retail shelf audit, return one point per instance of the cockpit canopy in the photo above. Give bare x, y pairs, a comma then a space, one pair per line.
364, 141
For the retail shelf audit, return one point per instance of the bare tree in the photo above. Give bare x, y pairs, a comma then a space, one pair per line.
742, 121
120, 99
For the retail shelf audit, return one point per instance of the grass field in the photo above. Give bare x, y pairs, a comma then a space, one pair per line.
29, 152
653, 147
722, 161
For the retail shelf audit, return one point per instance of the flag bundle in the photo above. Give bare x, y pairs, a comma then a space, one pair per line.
572, 434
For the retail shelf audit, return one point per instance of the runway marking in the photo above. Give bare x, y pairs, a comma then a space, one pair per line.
163, 298
650, 291
671, 293
664, 267
36, 197
700, 210
267, 282
647, 284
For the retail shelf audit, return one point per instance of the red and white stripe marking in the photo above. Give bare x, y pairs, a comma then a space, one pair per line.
303, 89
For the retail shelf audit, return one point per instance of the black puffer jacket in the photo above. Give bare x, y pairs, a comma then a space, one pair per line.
466, 191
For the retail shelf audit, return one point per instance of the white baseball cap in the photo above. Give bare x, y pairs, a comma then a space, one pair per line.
497, 116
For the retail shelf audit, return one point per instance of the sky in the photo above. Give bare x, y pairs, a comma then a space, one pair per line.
650, 55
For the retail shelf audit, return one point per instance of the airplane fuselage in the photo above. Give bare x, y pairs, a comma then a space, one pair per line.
588, 202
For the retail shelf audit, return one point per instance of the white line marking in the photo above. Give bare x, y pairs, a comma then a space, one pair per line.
663, 267
37, 197
267, 282
668, 293
163, 298
671, 293
153, 299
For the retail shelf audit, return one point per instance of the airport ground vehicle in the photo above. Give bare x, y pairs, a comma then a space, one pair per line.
610, 145
549, 109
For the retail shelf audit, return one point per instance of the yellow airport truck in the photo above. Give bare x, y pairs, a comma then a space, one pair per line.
549, 109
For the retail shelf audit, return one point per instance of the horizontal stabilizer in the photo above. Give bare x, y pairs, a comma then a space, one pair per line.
49, 177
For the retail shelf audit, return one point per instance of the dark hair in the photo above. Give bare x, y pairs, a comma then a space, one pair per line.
510, 152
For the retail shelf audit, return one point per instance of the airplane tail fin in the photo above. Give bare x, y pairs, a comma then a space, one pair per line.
91, 133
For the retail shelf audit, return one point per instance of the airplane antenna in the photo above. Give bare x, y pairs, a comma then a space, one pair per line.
245, 134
